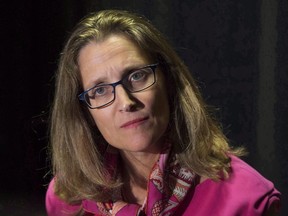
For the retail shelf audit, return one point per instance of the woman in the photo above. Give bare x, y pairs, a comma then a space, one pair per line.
138, 139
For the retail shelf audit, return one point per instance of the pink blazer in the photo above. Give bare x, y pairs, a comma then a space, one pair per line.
244, 193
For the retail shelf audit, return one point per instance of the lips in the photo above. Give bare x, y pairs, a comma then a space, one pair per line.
134, 122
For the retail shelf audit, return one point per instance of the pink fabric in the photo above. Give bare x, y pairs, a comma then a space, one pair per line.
166, 190
57, 207
246, 192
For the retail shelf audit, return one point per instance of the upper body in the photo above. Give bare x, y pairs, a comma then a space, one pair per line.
244, 193
138, 138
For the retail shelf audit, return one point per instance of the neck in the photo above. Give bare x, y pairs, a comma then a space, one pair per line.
136, 171
138, 165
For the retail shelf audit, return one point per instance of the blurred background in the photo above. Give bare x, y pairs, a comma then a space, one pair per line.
237, 51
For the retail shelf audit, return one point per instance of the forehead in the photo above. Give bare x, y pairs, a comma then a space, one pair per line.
108, 58
108, 48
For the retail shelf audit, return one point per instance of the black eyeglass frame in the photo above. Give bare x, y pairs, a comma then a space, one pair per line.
82, 97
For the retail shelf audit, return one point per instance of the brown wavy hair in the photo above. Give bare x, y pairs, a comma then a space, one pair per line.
76, 143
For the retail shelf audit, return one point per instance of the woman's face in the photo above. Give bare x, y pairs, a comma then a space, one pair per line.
134, 122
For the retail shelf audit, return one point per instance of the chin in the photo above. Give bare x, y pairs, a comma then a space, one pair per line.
148, 146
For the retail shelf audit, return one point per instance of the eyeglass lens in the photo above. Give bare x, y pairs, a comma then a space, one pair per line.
135, 81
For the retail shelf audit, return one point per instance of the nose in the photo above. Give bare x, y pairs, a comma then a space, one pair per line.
125, 101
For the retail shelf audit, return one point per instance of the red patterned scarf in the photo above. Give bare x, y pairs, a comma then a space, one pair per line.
167, 186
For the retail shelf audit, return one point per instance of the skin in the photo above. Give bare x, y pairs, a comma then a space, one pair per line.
134, 123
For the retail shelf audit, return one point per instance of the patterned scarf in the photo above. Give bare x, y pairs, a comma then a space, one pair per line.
168, 185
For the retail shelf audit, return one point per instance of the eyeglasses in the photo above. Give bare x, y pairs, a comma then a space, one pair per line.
103, 95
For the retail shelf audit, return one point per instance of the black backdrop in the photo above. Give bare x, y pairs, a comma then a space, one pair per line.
237, 50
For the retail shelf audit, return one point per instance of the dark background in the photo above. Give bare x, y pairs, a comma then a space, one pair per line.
237, 51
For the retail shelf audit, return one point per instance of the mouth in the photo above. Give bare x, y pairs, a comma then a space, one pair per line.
134, 123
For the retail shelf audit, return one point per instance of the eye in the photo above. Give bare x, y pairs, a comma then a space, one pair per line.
99, 91
138, 75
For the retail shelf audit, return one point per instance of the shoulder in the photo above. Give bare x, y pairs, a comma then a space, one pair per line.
245, 192
243, 174
57, 206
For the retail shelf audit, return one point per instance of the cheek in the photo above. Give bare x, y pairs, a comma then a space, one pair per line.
106, 129
101, 119
162, 102
160, 106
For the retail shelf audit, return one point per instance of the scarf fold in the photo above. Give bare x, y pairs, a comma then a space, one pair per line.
167, 187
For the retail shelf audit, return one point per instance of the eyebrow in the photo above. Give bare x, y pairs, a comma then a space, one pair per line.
95, 82
102, 80
132, 69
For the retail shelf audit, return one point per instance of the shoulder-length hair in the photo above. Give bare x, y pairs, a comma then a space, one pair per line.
76, 143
